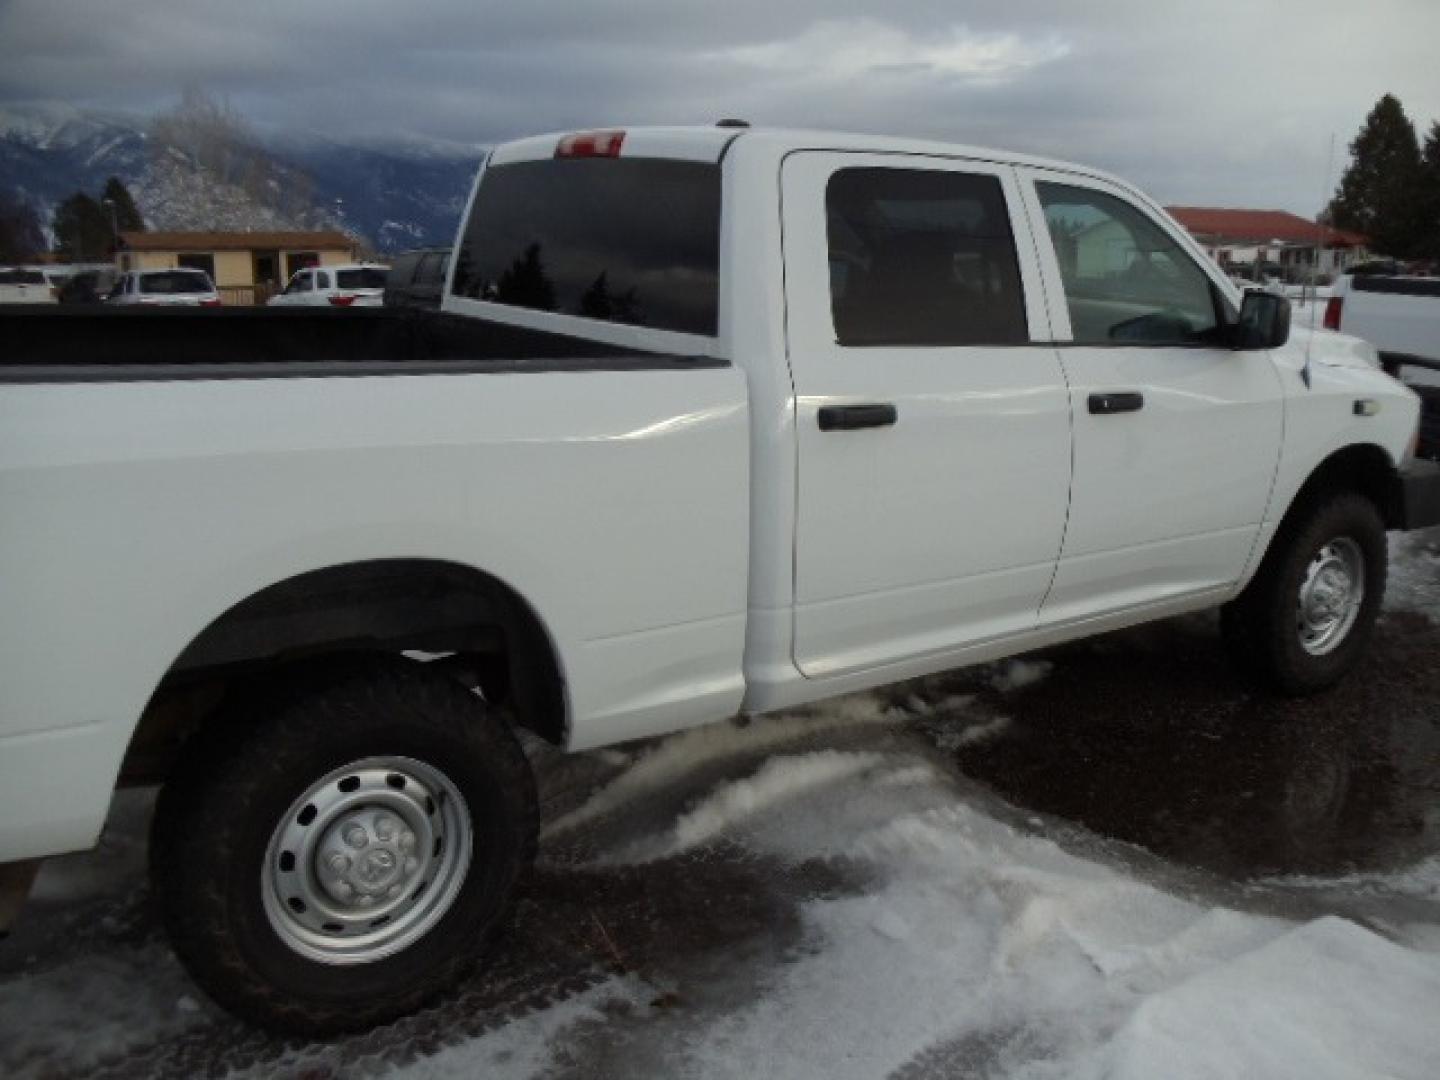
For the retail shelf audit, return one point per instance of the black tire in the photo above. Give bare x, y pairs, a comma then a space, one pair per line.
237, 782
1260, 626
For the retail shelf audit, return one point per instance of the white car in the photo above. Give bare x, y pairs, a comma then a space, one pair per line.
165, 288
24, 285
712, 422
352, 285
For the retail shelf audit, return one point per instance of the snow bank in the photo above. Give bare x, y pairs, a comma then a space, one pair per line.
1414, 582
1327, 1001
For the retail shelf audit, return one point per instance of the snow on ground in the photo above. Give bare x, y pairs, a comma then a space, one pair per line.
982, 946
891, 917
1414, 583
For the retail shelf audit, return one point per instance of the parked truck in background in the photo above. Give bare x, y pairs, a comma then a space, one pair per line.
1400, 316
714, 421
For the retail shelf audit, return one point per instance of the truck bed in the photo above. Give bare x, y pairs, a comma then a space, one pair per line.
79, 344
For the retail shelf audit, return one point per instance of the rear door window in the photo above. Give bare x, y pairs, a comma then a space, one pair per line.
922, 257
626, 240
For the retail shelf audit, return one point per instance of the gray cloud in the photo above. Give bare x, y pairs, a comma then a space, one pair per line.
1216, 102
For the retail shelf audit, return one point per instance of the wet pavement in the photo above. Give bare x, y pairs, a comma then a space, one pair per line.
1142, 747
1149, 736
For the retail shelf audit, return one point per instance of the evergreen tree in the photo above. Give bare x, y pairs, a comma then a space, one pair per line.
596, 302
526, 284
1379, 192
127, 216
82, 229
20, 236
1429, 203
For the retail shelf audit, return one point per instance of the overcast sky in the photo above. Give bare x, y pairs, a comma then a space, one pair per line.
1206, 102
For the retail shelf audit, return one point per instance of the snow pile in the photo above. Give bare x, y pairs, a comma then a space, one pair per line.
1414, 582
1327, 1001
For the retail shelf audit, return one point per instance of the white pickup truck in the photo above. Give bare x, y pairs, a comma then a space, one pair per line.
1399, 315
714, 421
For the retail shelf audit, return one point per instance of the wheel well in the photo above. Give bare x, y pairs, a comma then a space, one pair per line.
1362, 468
469, 621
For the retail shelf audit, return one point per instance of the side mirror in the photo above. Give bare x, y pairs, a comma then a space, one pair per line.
1264, 321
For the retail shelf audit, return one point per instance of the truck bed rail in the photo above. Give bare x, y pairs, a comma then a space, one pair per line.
126, 344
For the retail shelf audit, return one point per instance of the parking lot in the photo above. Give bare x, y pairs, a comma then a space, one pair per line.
1068, 865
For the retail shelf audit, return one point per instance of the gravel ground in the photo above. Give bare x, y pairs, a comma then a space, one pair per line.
1025, 869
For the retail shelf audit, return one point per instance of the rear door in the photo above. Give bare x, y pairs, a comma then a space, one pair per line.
1177, 436
932, 414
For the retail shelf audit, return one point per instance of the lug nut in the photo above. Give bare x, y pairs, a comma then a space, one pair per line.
356, 837
394, 891
407, 840
338, 862
343, 890
384, 828
411, 865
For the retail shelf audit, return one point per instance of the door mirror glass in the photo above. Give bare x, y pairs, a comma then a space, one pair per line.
1264, 321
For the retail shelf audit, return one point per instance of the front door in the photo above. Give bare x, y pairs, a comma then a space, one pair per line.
932, 415
1177, 437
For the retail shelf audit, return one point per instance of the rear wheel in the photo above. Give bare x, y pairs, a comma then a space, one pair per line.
333, 854
1304, 620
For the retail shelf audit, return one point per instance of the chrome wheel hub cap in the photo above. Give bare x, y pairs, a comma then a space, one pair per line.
367, 860
1331, 593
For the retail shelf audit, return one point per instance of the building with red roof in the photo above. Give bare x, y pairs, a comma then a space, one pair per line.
1270, 238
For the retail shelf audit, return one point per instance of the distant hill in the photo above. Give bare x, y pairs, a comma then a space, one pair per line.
394, 194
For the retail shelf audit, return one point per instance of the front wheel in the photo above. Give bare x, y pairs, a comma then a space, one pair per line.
336, 852
1303, 621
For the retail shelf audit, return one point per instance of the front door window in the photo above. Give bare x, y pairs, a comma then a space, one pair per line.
1125, 280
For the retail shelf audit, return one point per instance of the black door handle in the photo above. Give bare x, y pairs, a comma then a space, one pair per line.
1127, 401
850, 417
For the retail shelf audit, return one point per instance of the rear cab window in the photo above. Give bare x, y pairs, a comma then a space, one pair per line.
366, 277
633, 241
173, 282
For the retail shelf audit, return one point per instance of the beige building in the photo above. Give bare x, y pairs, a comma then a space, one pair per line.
247, 267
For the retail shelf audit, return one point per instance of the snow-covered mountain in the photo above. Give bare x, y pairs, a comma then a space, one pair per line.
395, 193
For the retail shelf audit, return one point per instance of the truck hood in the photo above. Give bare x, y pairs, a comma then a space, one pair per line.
1331, 349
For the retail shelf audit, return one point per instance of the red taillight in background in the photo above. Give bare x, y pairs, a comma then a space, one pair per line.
590, 144
210, 303
342, 301
1332, 312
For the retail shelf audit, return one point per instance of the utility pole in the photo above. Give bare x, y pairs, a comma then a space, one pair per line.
114, 226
